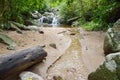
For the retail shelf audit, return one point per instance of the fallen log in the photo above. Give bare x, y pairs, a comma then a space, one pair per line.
69, 21
13, 64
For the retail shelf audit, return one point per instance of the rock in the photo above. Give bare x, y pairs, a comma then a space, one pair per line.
109, 70
34, 28
57, 78
9, 41
53, 45
48, 20
72, 33
75, 24
48, 17
36, 15
26, 75
28, 22
43, 46
12, 46
35, 22
41, 32
112, 39
13, 26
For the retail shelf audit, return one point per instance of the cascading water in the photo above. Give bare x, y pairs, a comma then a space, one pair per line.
49, 20
41, 20
54, 21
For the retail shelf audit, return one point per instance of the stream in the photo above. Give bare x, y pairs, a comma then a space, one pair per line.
69, 61
77, 52
69, 66
65, 61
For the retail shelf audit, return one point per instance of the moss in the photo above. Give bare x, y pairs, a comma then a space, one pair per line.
103, 73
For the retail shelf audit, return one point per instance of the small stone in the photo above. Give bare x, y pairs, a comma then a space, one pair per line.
12, 46
41, 32
57, 78
53, 45
43, 46
34, 40
72, 33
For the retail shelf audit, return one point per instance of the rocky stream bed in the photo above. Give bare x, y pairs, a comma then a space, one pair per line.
72, 52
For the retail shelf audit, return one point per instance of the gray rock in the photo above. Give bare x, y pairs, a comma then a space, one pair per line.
9, 41
41, 32
48, 17
53, 45
26, 75
109, 70
112, 39
36, 15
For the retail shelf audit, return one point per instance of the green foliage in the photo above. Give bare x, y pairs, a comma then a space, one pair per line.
94, 14
94, 26
68, 11
14, 9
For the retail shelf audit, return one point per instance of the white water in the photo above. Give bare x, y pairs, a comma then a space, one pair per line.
54, 22
41, 20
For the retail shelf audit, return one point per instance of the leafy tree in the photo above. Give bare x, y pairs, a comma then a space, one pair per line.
14, 9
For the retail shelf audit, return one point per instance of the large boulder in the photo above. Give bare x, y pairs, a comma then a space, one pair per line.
112, 39
109, 70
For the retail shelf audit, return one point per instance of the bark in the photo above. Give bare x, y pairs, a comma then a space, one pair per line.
14, 63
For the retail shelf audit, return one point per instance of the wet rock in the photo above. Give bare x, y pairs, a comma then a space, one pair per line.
112, 39
12, 46
53, 45
61, 32
48, 17
48, 20
41, 32
28, 22
9, 41
72, 33
26, 75
34, 28
36, 15
43, 46
57, 78
109, 70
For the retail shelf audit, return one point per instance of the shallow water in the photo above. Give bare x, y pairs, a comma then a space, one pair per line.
69, 61
70, 65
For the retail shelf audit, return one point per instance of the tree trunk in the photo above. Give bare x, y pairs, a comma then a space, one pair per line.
13, 64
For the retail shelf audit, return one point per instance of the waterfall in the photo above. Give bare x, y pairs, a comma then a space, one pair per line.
41, 20
54, 21
48, 20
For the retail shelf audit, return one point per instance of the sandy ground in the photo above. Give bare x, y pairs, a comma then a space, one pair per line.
78, 52
92, 48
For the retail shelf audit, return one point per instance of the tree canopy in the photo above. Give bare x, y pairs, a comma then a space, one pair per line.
94, 14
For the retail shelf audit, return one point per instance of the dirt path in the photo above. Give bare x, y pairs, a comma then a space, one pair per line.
78, 52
